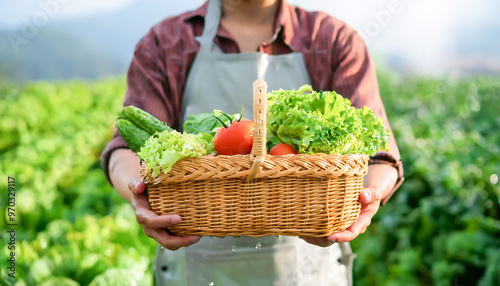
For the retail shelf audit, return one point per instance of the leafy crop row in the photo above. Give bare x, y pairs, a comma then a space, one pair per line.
443, 226
72, 228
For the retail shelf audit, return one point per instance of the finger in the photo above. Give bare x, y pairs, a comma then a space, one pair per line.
370, 195
148, 218
352, 231
173, 242
362, 223
136, 185
319, 241
344, 236
140, 201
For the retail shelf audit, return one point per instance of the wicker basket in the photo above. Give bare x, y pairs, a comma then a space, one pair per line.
260, 194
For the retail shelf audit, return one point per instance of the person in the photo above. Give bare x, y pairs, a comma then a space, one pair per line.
207, 59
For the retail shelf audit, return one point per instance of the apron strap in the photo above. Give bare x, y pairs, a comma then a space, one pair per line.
347, 259
212, 21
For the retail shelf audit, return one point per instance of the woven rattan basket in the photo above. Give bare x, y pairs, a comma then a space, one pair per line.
260, 194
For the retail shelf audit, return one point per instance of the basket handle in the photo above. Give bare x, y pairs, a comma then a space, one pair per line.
260, 128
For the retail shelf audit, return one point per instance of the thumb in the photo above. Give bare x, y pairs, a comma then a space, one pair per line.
370, 194
136, 185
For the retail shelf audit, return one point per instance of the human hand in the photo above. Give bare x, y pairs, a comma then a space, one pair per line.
155, 226
370, 202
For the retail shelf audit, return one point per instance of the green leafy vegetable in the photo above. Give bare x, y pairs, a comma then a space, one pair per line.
163, 149
206, 124
323, 122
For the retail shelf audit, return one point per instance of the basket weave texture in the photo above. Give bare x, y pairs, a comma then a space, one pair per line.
259, 194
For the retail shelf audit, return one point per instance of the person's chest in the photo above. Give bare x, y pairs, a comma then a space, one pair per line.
248, 38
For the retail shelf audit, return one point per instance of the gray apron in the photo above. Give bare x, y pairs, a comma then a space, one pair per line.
224, 81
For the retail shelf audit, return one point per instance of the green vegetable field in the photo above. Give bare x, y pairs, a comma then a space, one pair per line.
442, 227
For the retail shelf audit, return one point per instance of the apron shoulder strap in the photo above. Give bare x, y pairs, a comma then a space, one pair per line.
212, 21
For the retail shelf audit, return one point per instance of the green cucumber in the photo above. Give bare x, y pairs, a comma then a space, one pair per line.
133, 135
144, 120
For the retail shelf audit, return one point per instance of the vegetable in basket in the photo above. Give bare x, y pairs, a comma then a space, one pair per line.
156, 143
164, 149
207, 124
282, 149
237, 138
133, 135
136, 126
160, 146
323, 122
143, 120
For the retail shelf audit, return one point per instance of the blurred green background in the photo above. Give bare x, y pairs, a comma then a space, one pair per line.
442, 227
61, 91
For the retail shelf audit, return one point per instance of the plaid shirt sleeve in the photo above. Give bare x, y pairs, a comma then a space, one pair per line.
354, 76
147, 88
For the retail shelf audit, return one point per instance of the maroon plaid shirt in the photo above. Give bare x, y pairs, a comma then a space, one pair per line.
335, 56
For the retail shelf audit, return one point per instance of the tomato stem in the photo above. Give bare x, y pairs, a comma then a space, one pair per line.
241, 115
228, 117
223, 124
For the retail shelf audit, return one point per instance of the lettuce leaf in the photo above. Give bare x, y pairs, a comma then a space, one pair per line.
323, 122
162, 150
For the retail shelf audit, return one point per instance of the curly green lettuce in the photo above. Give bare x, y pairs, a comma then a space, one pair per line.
162, 150
323, 122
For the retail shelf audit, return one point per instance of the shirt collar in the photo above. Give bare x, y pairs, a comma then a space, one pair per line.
283, 28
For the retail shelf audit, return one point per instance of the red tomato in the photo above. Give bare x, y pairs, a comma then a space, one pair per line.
282, 149
236, 139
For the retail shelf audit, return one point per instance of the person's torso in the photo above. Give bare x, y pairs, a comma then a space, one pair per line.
224, 81
315, 39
